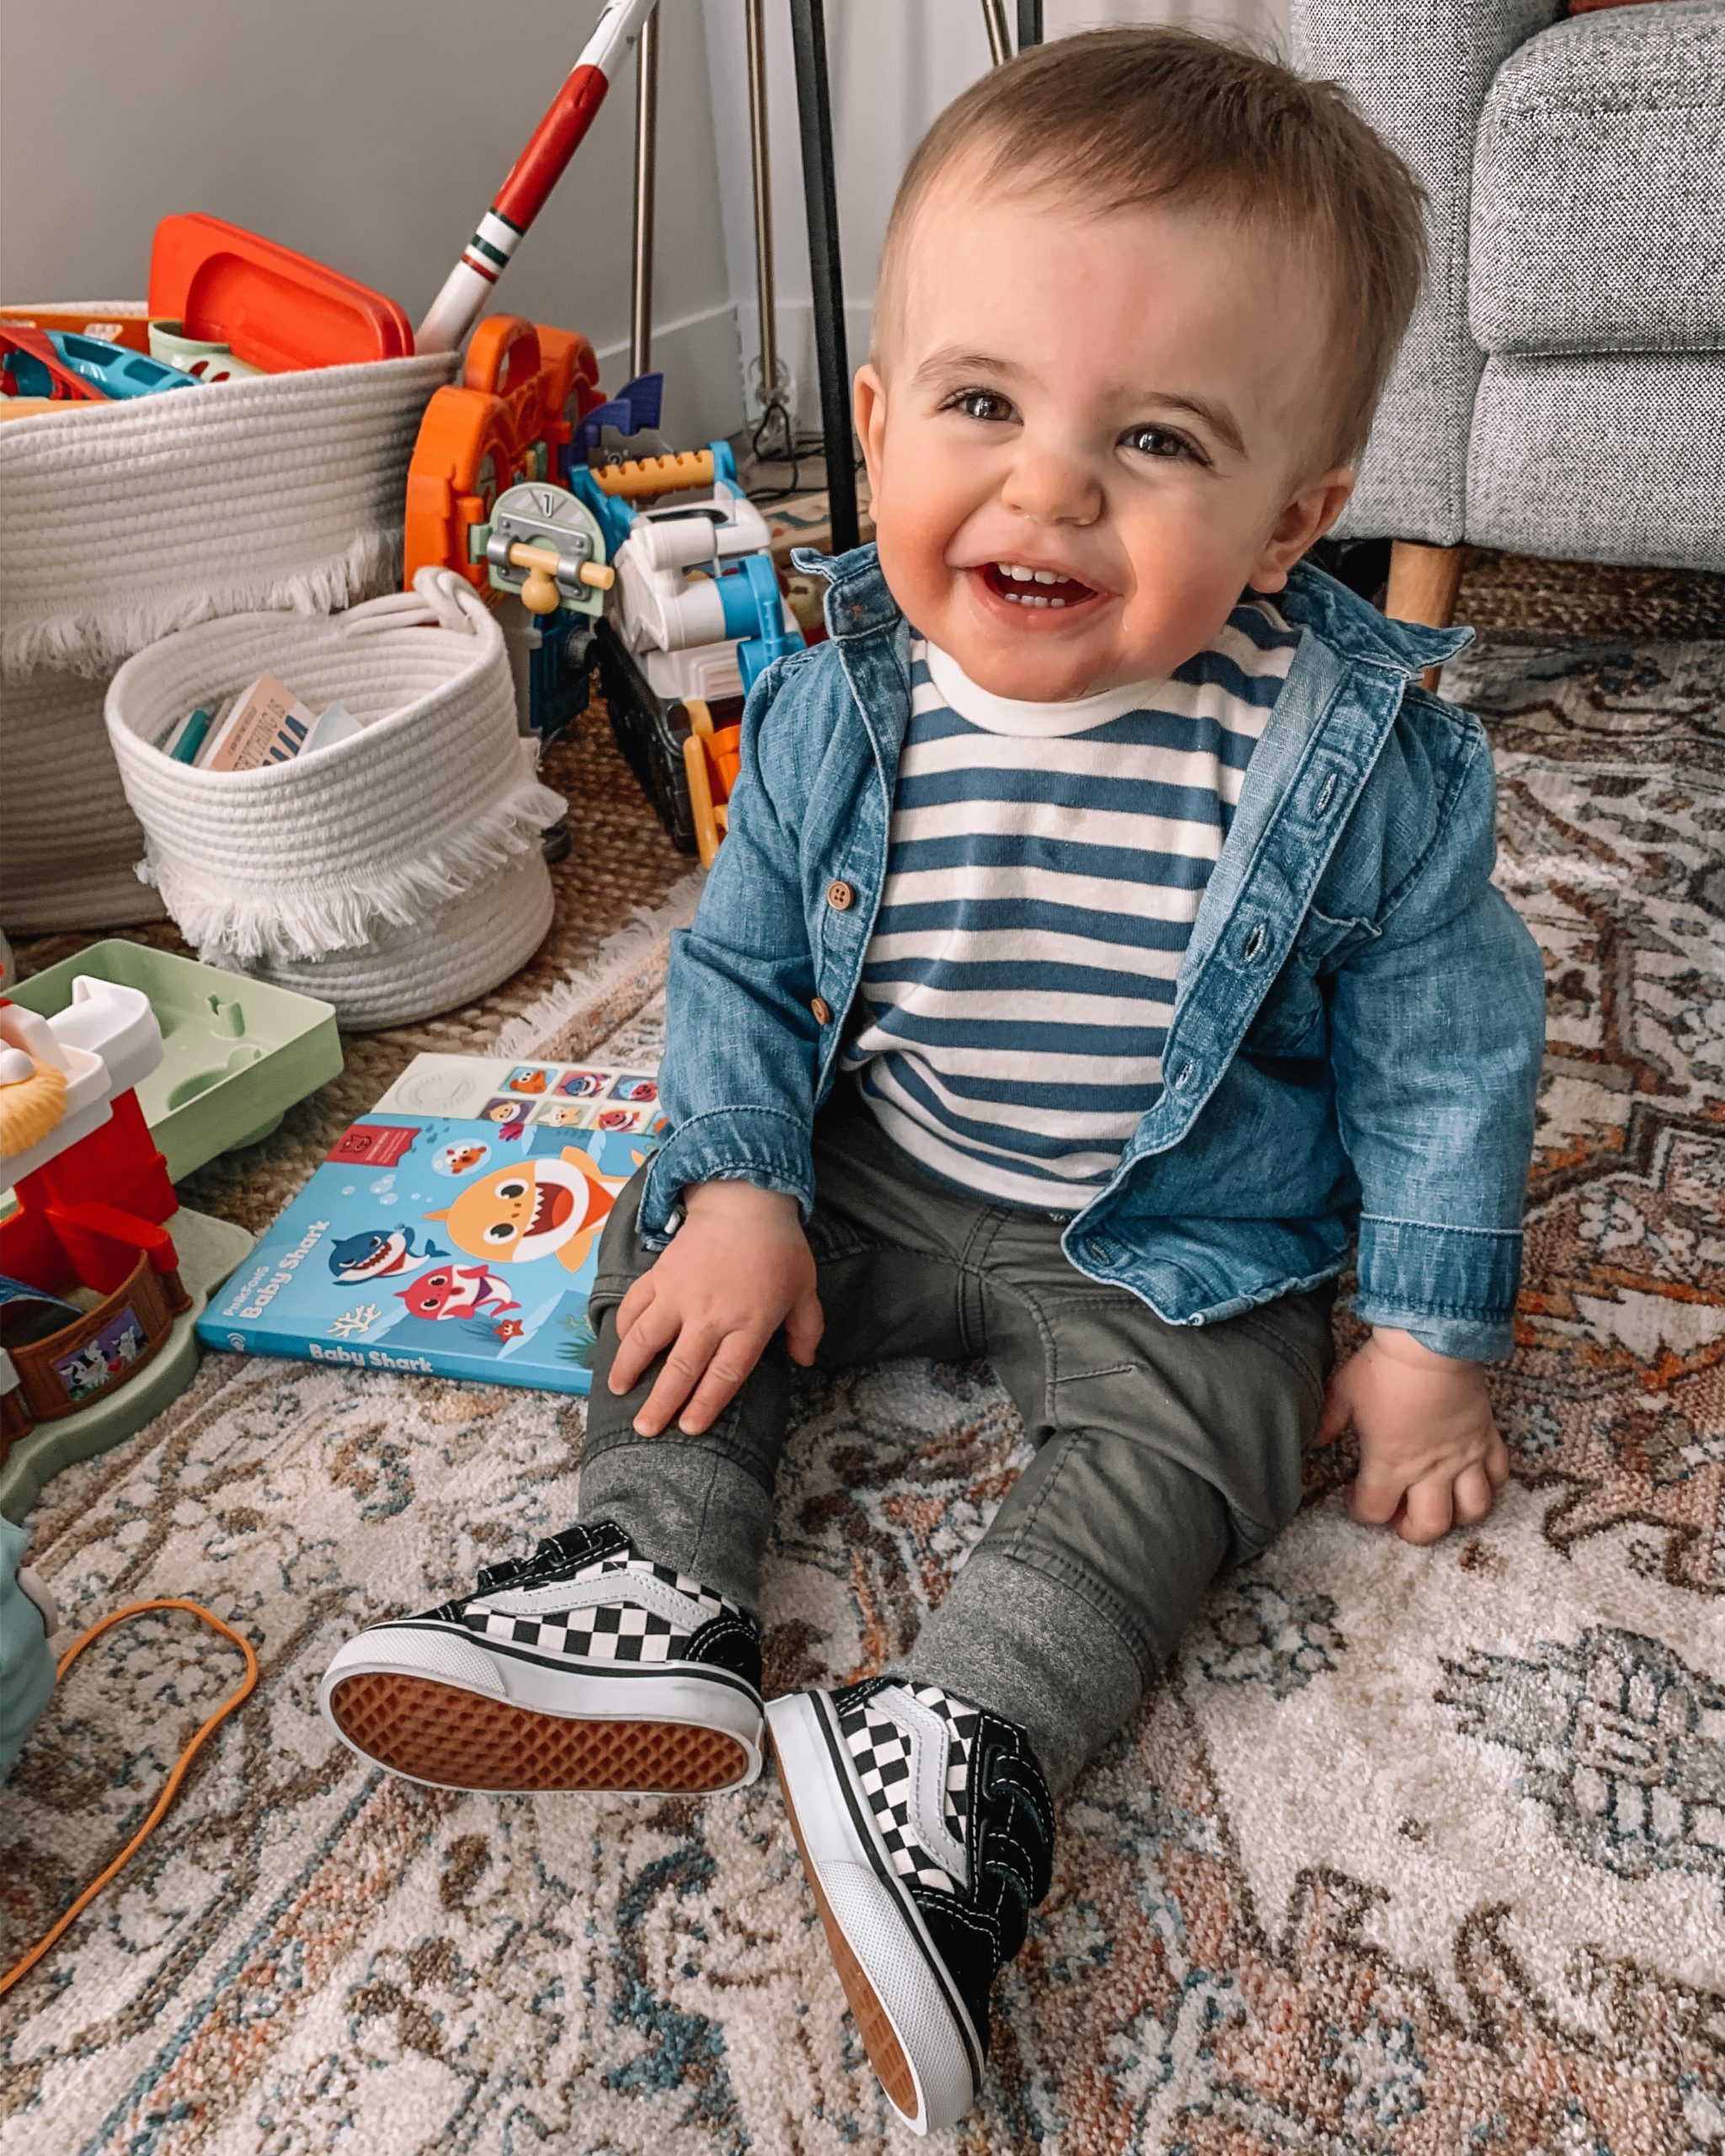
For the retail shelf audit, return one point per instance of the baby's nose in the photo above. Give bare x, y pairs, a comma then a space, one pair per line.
1052, 486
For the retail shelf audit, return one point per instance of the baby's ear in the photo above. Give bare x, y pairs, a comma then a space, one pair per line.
868, 411
1301, 525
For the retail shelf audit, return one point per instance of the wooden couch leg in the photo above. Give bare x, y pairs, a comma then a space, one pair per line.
1424, 581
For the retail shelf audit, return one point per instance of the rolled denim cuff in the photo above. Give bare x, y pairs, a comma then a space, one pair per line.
1453, 1288
764, 1146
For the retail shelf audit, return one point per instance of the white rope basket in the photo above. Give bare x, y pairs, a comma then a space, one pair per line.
130, 519
126, 521
67, 839
396, 874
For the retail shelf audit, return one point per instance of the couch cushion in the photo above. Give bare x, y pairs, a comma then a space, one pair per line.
1599, 187
1610, 457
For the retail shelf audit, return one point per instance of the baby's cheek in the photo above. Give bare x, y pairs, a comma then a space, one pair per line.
912, 542
1188, 590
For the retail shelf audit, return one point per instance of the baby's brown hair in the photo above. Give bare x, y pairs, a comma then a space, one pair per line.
1125, 118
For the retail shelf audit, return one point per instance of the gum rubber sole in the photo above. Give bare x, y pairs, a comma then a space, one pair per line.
458, 1739
886, 2054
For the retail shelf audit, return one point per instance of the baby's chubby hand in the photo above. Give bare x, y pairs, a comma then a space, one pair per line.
738, 1269
1430, 1456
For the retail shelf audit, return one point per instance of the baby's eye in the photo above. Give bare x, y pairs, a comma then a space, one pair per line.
1156, 441
979, 404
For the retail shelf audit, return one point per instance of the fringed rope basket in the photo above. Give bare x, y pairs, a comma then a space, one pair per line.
126, 521
397, 874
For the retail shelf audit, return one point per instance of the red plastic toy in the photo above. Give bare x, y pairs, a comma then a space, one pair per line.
92, 1197
273, 308
68, 385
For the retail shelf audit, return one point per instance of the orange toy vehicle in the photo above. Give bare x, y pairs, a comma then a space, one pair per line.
524, 389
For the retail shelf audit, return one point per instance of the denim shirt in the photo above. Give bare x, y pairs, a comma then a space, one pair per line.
1357, 1023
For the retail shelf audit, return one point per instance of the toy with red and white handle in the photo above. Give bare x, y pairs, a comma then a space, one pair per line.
466, 291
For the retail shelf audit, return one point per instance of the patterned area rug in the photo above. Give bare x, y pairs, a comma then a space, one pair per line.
1414, 1851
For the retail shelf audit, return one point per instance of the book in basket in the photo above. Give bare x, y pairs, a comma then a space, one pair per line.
454, 1230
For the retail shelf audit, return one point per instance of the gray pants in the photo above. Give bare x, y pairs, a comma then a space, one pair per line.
1163, 1452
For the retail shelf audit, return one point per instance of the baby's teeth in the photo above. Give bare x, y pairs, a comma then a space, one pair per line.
1045, 576
1053, 602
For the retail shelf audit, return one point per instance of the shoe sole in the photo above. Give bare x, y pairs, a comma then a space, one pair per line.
437, 1708
919, 2037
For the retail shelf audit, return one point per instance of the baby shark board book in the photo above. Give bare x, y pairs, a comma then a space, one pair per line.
453, 1231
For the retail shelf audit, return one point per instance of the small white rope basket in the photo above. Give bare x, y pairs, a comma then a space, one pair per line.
398, 873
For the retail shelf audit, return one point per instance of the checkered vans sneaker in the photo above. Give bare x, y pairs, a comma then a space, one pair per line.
585, 1666
927, 1833
634, 1626
882, 1750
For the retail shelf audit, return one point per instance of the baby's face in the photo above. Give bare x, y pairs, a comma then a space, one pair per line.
1087, 436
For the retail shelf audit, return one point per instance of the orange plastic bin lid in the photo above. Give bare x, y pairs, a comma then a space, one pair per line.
275, 308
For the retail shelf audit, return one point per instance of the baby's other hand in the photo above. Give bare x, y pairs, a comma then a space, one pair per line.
1430, 1456
738, 1269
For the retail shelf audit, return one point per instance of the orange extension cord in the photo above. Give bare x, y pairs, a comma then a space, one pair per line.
169, 1788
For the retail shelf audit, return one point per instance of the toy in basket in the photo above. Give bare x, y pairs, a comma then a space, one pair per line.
231, 291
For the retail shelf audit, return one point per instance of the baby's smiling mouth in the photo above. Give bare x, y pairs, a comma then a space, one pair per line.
1021, 585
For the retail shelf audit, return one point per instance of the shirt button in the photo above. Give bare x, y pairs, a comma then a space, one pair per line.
840, 897
821, 1011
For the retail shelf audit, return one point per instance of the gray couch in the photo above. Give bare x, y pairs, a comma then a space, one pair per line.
1562, 389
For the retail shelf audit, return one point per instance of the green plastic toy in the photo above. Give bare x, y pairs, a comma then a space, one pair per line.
237, 1054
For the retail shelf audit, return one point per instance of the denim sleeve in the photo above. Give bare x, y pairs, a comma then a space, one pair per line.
1438, 1030
739, 1077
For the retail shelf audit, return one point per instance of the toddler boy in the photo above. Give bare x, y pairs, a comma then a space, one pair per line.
1104, 945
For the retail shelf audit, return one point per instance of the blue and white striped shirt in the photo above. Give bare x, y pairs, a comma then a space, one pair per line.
1045, 868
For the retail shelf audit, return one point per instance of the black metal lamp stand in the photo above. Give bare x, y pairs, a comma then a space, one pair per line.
822, 203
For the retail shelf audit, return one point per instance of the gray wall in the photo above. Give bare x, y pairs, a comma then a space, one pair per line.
369, 134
